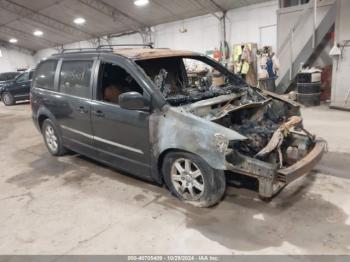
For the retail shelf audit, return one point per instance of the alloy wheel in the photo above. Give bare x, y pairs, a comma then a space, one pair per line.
7, 99
187, 179
51, 138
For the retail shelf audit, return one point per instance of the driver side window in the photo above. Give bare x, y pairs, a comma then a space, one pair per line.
114, 81
23, 78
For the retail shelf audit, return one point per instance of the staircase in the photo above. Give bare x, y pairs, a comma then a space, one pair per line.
302, 39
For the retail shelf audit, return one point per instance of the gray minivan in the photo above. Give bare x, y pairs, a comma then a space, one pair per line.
173, 117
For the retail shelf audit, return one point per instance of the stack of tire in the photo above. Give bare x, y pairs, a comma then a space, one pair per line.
309, 88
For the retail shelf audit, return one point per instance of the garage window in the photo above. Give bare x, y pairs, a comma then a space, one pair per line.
45, 74
75, 78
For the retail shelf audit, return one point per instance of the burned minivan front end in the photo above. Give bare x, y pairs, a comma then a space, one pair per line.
234, 127
276, 149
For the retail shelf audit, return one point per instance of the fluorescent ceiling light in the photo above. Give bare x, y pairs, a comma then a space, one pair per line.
38, 33
141, 2
13, 40
79, 20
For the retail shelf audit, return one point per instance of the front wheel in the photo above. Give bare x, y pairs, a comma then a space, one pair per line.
192, 180
8, 99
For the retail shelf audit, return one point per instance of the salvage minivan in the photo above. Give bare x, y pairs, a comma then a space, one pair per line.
173, 117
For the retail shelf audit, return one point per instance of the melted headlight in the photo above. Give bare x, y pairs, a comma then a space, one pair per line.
221, 142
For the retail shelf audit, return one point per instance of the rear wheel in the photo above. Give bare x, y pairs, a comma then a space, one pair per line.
8, 99
52, 138
192, 180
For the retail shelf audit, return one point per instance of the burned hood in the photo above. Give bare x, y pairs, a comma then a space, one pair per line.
181, 118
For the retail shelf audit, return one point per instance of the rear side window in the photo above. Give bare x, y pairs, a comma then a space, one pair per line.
45, 74
75, 78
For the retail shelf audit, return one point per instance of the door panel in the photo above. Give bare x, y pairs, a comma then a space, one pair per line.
20, 89
121, 135
75, 104
24, 89
74, 119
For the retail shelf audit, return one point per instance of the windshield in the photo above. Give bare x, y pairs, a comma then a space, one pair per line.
184, 80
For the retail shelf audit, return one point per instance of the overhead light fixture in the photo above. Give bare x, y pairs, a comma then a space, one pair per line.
141, 2
79, 20
13, 40
38, 33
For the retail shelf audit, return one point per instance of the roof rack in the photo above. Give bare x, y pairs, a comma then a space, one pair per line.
76, 50
100, 48
118, 45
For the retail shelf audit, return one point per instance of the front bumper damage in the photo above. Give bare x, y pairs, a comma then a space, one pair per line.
272, 179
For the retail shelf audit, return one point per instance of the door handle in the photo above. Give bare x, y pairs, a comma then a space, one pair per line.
82, 109
99, 113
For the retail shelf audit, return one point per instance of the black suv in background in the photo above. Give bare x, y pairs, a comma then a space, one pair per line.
137, 110
6, 76
17, 89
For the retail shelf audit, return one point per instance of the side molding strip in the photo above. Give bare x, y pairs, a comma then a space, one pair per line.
103, 140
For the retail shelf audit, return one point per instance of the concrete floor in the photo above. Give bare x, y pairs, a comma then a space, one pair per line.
72, 205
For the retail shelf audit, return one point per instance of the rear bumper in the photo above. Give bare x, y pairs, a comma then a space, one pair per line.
272, 180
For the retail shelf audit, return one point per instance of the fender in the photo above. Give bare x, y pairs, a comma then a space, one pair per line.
175, 128
43, 111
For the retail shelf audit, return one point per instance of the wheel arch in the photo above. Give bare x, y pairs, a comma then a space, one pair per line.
41, 120
162, 155
3, 90
42, 115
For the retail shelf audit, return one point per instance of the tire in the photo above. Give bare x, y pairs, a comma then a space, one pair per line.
8, 99
208, 185
52, 138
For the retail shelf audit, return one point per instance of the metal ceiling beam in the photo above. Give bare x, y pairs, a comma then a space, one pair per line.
217, 5
43, 19
166, 9
114, 13
21, 34
212, 7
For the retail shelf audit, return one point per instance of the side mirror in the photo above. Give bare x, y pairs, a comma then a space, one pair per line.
132, 101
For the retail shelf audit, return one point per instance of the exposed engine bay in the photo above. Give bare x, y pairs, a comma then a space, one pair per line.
273, 127
270, 126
